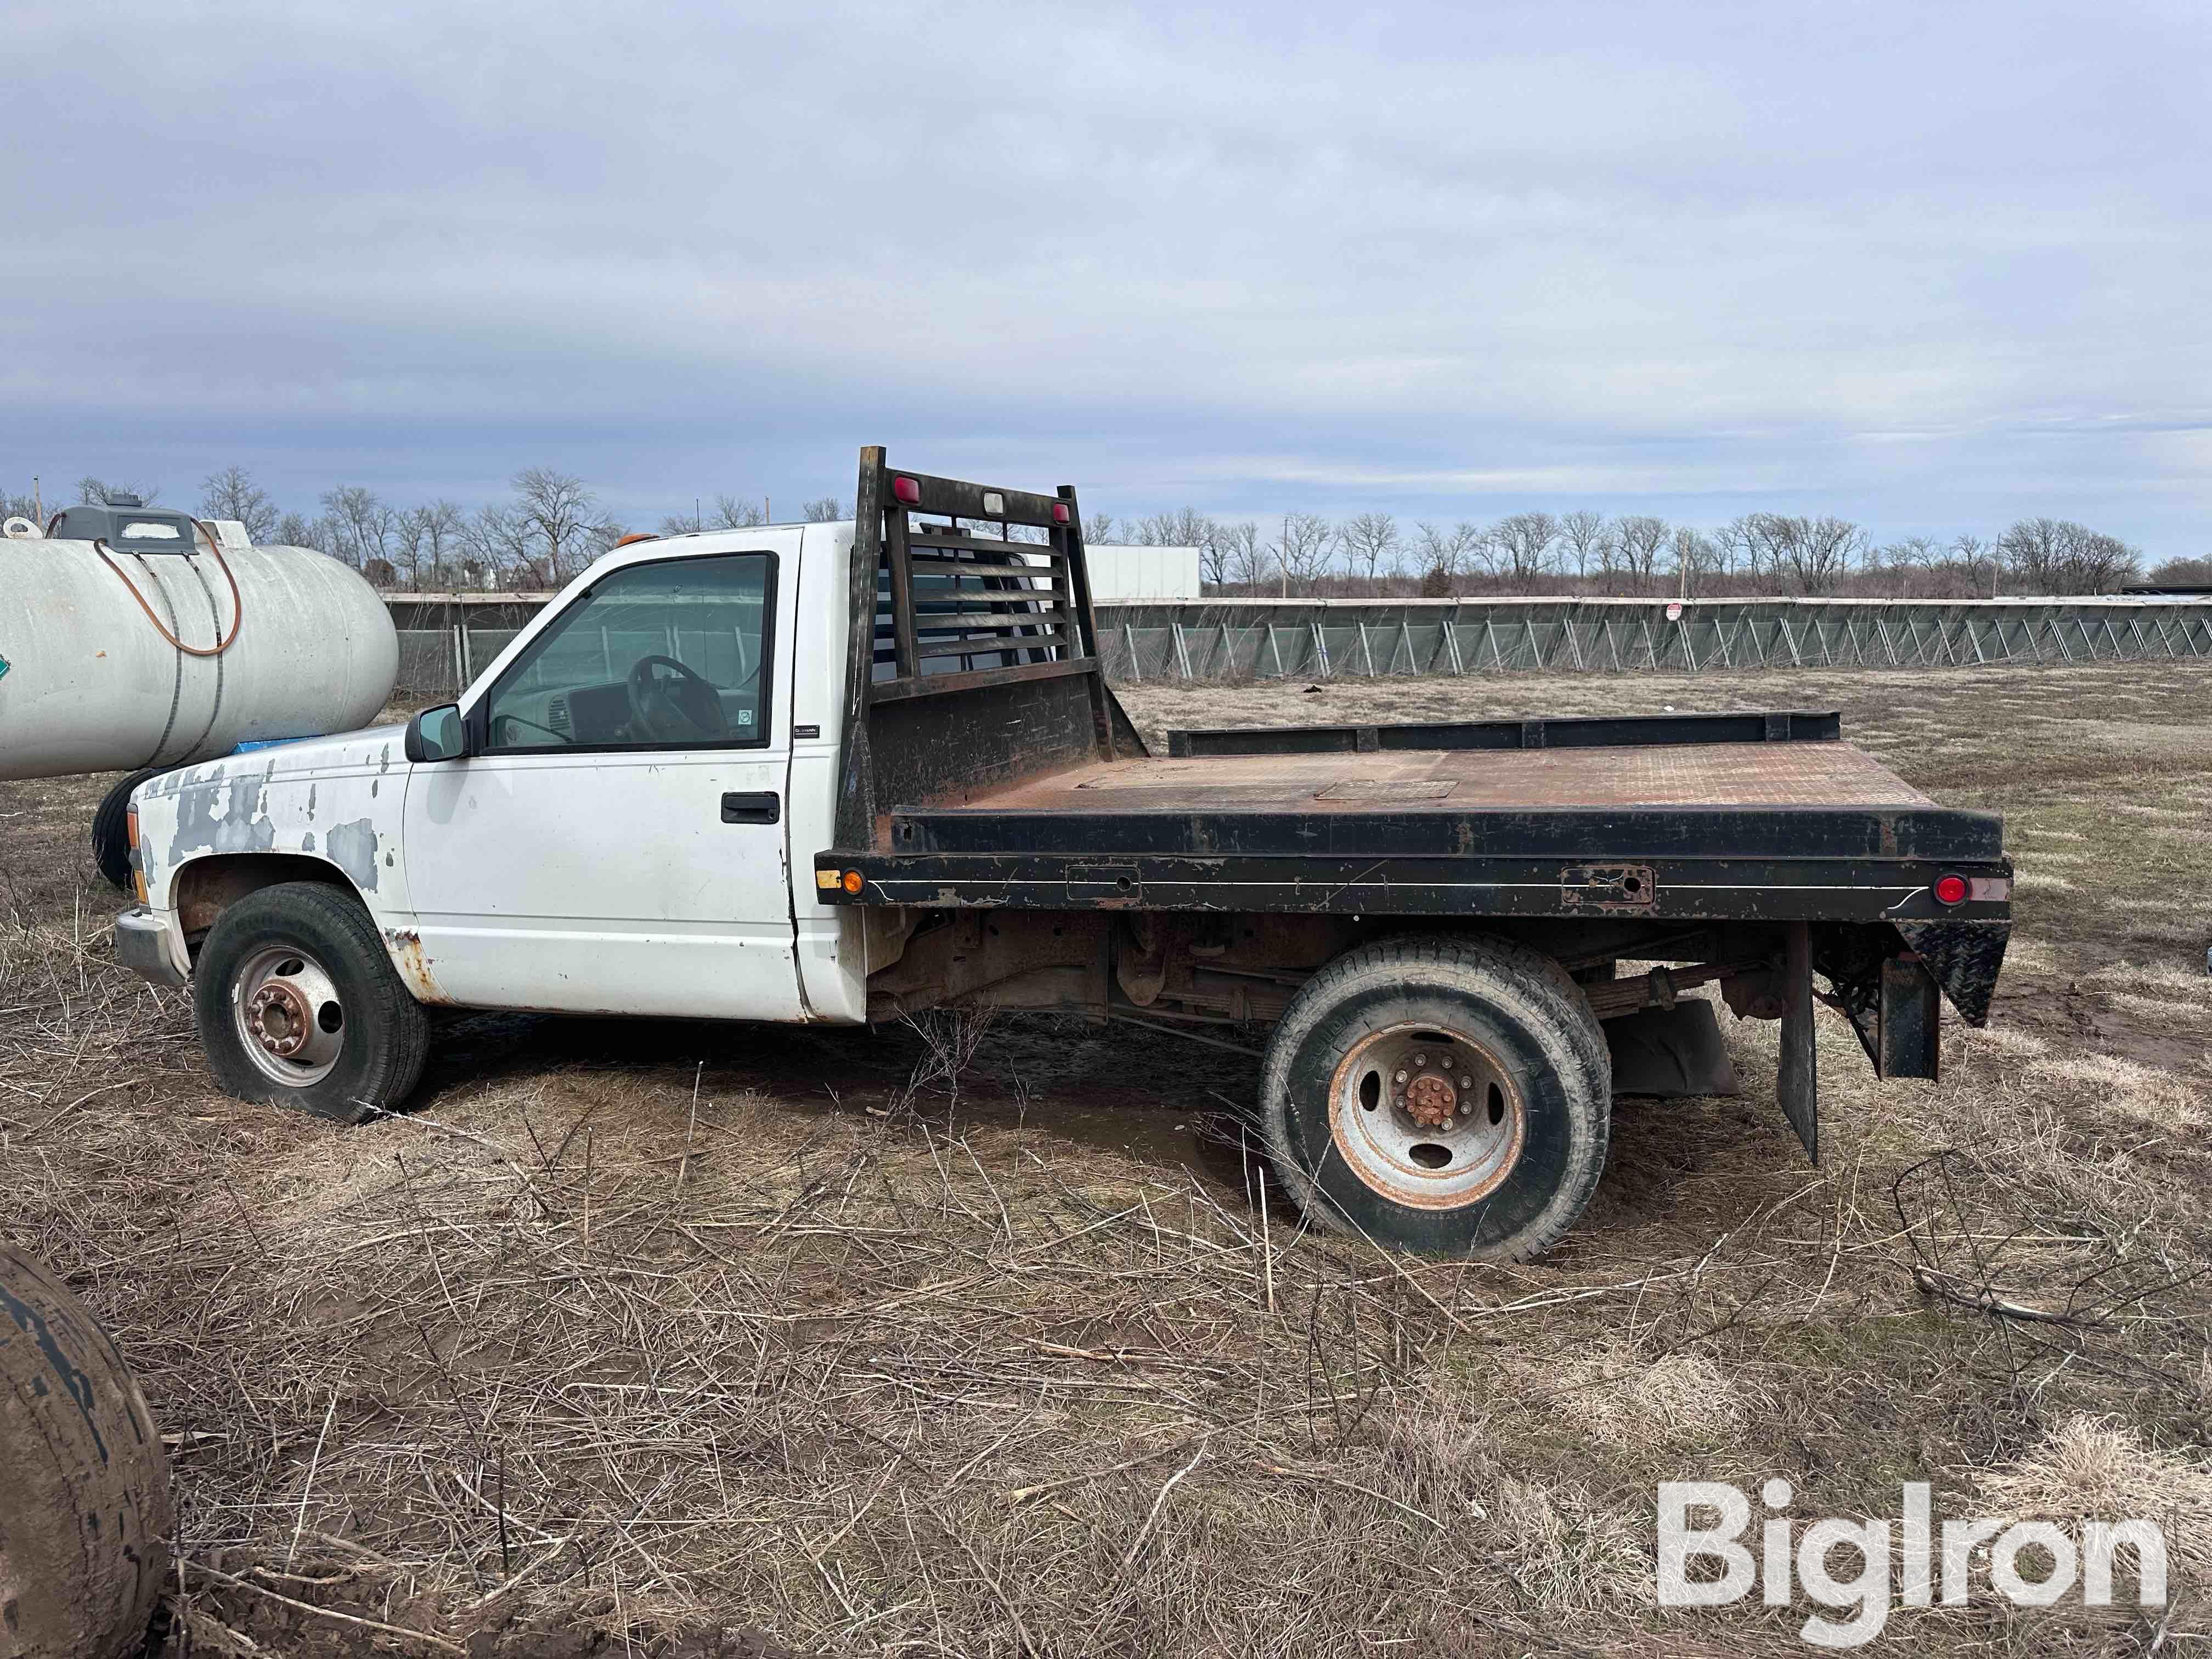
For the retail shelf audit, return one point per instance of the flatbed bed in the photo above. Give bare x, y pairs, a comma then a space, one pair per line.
1708, 817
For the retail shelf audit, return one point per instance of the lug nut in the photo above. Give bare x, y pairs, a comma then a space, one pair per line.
1466, 1083
1401, 1077
1420, 1059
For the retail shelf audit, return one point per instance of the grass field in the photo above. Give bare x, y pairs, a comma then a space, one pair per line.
640, 1339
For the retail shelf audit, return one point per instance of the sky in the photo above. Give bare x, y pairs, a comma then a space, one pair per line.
1932, 268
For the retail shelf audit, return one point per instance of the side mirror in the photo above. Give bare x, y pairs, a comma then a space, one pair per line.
437, 734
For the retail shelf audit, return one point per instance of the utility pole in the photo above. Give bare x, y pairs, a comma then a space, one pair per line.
1282, 556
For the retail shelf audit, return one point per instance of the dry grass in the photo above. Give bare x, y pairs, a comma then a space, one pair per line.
635, 1337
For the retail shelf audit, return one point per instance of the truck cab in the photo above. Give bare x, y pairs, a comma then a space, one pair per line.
619, 836
848, 771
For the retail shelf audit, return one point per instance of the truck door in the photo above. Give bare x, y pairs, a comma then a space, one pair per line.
614, 841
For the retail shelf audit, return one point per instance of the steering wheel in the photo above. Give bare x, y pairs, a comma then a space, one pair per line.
671, 708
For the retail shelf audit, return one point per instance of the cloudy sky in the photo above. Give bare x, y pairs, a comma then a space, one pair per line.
1932, 267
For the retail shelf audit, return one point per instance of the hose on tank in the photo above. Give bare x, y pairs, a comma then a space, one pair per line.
237, 601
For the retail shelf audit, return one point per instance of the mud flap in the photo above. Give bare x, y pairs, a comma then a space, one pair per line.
1907, 1021
1797, 1084
1670, 1052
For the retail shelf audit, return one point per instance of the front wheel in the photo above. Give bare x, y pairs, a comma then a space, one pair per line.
1441, 1093
297, 1004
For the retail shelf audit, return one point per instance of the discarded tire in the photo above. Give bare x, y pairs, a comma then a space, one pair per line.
84, 1488
111, 830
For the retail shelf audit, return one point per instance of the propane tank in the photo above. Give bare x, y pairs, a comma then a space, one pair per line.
85, 1516
122, 651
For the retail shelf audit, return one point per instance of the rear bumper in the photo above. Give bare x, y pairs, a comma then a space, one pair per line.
147, 946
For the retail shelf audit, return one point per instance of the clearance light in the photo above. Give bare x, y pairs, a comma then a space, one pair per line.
907, 491
138, 864
854, 881
1951, 889
1060, 512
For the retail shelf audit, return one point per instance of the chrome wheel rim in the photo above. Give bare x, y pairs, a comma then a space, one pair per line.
1426, 1118
290, 1020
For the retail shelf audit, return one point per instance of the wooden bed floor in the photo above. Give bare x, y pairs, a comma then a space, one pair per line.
1448, 781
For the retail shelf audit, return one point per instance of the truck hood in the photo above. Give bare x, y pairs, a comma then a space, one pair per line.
373, 748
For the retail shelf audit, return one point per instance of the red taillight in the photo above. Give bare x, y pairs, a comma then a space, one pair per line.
1951, 889
907, 491
1060, 512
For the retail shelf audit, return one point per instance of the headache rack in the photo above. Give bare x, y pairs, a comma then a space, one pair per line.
973, 658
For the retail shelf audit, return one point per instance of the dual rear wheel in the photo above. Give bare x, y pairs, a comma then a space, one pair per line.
1440, 1093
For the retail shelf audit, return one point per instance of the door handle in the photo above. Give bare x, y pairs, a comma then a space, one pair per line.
764, 807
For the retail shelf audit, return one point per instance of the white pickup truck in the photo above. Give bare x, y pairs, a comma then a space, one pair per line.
846, 772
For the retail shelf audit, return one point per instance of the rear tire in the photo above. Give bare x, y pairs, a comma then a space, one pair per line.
298, 1005
1440, 1093
111, 831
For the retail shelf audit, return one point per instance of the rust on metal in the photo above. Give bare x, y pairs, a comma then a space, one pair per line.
1616, 888
279, 1018
405, 947
1430, 1099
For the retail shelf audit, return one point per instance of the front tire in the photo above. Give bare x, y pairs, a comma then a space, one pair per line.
298, 1005
1445, 1094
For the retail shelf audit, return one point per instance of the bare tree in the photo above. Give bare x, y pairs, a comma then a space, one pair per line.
560, 520
826, 510
1099, 527
1750, 545
358, 526
1819, 552
428, 539
1694, 555
1639, 538
1303, 550
497, 543
2057, 556
1524, 542
1977, 559
1243, 560
1583, 536
298, 529
734, 512
1444, 556
1368, 539
232, 494
93, 492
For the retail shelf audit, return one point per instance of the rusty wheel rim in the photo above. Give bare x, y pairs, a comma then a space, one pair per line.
289, 1019
1426, 1118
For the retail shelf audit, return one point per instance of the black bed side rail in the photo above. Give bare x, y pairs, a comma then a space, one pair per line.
1573, 731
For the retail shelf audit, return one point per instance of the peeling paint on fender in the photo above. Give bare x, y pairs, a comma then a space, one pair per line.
353, 849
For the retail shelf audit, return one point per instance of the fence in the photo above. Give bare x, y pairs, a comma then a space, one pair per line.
1323, 639
1260, 638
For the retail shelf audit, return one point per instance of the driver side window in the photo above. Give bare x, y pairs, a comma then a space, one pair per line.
667, 655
